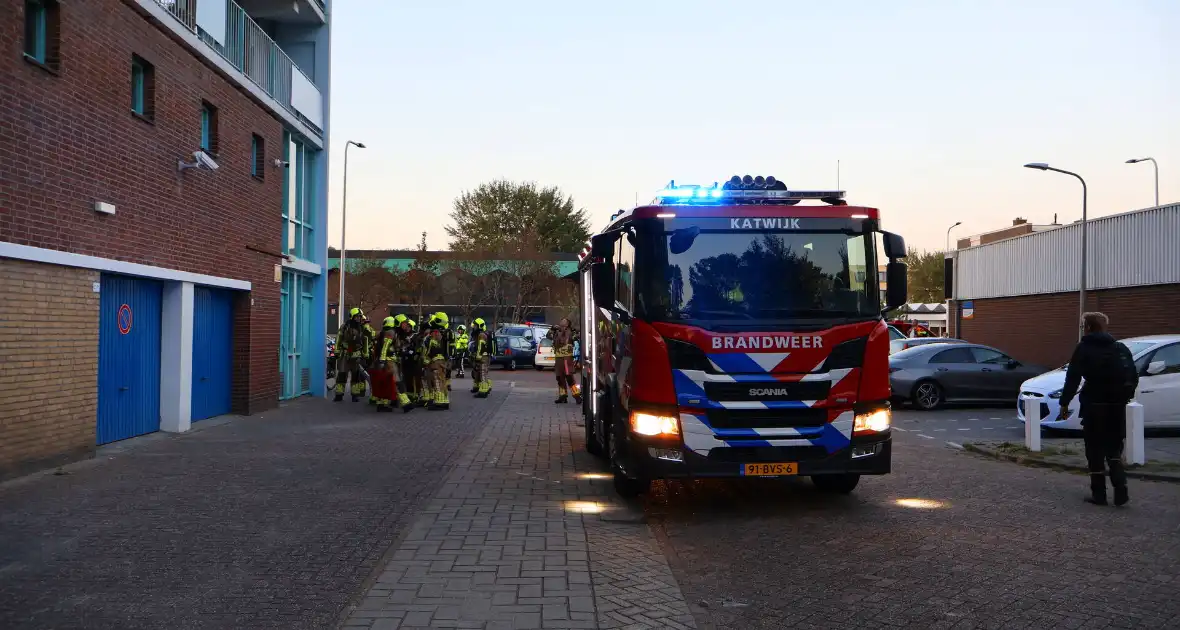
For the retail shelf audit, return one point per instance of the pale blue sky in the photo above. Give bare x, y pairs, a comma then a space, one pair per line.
930, 106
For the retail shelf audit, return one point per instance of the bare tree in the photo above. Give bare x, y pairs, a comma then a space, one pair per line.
370, 285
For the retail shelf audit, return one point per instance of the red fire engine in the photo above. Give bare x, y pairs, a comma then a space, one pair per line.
733, 331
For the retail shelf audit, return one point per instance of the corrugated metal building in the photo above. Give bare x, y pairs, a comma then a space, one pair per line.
1021, 294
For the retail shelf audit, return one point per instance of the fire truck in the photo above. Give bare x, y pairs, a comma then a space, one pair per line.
733, 330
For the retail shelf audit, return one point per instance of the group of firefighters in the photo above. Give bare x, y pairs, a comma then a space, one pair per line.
408, 365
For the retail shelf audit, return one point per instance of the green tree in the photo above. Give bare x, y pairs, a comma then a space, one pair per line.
499, 214
925, 276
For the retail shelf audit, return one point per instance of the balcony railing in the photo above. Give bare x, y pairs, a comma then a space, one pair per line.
247, 47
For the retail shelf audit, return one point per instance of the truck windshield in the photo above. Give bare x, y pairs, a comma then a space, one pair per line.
727, 275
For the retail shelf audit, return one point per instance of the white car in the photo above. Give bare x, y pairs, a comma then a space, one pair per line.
545, 357
1157, 358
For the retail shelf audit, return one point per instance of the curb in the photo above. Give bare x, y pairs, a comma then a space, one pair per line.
1039, 463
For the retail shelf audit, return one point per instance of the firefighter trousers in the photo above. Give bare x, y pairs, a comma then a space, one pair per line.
349, 369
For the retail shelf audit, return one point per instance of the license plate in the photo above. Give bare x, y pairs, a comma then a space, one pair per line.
770, 470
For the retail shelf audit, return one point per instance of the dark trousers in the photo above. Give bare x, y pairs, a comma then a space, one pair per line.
1104, 430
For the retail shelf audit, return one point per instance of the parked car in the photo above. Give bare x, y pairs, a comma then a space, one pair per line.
533, 332
1157, 358
545, 357
894, 333
934, 374
897, 345
514, 352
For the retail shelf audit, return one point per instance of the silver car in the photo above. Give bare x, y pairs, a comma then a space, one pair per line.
933, 374
897, 345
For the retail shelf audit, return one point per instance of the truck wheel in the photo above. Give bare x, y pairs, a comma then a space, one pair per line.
592, 445
836, 484
626, 487
629, 488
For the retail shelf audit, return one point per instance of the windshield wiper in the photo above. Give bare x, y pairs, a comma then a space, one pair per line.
814, 312
703, 314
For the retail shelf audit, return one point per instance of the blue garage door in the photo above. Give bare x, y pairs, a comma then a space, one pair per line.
128, 358
212, 352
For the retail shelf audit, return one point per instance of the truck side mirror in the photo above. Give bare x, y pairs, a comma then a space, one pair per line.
602, 279
894, 245
896, 288
602, 246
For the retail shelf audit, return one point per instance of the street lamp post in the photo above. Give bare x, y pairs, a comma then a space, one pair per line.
1041, 166
948, 235
1157, 175
343, 232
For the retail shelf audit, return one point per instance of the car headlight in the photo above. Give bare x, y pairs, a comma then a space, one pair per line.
1055, 395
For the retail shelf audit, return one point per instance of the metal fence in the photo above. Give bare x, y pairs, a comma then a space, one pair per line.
248, 48
1131, 249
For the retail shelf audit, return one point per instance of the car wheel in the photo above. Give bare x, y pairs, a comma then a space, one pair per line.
836, 484
539, 368
927, 396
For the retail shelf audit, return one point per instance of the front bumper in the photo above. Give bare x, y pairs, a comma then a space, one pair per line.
1049, 408
653, 458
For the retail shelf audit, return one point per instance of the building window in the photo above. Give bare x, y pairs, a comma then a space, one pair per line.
258, 157
208, 128
299, 198
143, 87
41, 31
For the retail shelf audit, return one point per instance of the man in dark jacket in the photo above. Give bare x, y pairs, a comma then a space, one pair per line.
1111, 379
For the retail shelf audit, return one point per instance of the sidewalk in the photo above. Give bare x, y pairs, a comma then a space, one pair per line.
268, 521
1163, 456
525, 533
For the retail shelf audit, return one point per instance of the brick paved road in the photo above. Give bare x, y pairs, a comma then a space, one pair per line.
272, 521
1011, 547
514, 539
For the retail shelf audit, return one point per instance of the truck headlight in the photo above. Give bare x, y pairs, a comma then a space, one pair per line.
875, 421
644, 423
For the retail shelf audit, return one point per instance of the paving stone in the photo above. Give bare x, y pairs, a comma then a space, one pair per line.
509, 517
269, 521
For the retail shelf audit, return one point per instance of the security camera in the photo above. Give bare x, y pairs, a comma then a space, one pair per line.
204, 160
282, 163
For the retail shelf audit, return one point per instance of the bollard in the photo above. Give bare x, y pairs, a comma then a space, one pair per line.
1135, 451
1032, 424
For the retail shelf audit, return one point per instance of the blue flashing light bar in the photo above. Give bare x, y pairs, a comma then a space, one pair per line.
747, 190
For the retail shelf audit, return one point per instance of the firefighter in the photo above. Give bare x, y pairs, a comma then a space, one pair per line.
370, 361
461, 343
351, 350
421, 367
384, 375
412, 363
563, 353
482, 359
437, 352
403, 334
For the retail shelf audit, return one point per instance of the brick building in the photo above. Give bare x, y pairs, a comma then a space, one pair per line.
162, 216
1021, 294
1019, 227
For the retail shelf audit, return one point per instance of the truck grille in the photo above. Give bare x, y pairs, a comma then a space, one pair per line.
768, 390
768, 454
767, 418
